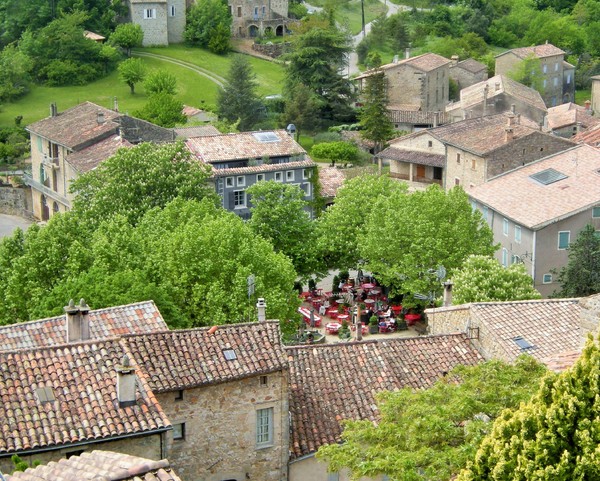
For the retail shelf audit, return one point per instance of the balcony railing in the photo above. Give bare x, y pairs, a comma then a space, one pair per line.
34, 184
51, 162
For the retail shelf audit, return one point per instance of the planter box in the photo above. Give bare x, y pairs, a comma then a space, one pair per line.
411, 318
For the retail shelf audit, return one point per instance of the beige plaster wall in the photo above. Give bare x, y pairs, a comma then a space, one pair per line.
312, 469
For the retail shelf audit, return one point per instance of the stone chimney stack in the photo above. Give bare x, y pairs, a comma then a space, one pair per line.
78, 321
115, 104
407, 52
497, 86
261, 307
436, 119
508, 134
100, 117
126, 382
486, 89
447, 293
588, 105
53, 110
358, 324
510, 119
454, 60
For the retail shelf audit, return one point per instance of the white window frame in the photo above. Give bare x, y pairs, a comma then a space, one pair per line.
505, 227
568, 232
556, 66
518, 234
568, 79
241, 181
597, 209
290, 175
229, 182
306, 174
181, 432
260, 177
264, 427
308, 187
547, 279
504, 257
278, 176
149, 13
236, 204
172, 10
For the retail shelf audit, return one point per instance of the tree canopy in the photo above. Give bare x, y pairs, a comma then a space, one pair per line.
553, 436
208, 25
430, 434
373, 117
483, 278
132, 71
127, 36
162, 109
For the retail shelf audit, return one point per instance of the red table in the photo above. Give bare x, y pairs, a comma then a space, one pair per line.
343, 317
367, 286
332, 327
306, 314
332, 313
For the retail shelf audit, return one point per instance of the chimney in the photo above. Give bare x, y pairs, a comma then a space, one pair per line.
395, 59
486, 89
100, 117
588, 105
261, 307
513, 109
518, 119
407, 52
454, 60
510, 119
126, 382
508, 134
78, 322
115, 104
447, 293
358, 324
53, 110
578, 128
497, 86
436, 119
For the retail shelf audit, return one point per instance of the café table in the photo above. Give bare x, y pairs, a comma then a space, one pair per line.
332, 327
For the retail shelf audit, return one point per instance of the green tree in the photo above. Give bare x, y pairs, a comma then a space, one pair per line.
552, 436
17, 16
339, 151
373, 117
162, 109
238, 98
482, 278
529, 72
15, 73
581, 276
279, 214
430, 434
208, 25
127, 36
132, 71
160, 81
301, 108
136, 180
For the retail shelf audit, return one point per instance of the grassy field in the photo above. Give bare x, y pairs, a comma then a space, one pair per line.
194, 89
582, 95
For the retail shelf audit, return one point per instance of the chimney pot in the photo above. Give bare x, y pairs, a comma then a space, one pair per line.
126, 383
508, 134
448, 293
454, 59
436, 119
78, 321
407, 52
100, 117
261, 307
115, 104
497, 86
513, 108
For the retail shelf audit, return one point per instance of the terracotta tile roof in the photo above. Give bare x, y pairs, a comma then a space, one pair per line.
562, 361
189, 358
570, 114
333, 382
510, 192
413, 157
590, 136
331, 179
262, 168
243, 146
425, 62
89, 158
78, 126
417, 117
471, 65
196, 131
540, 51
498, 85
96, 37
83, 380
100, 466
104, 323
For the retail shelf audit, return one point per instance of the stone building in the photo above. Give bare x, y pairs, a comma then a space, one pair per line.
467, 72
162, 21
558, 76
568, 120
252, 18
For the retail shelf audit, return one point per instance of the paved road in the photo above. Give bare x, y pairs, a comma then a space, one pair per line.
8, 223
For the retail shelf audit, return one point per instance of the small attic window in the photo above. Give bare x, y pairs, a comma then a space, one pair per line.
230, 354
548, 176
266, 137
45, 394
522, 343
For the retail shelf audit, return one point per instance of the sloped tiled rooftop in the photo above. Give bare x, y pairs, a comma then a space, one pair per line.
590, 136
90, 157
570, 114
77, 126
331, 179
510, 192
471, 65
83, 380
190, 358
424, 62
540, 51
413, 157
333, 382
99, 466
105, 323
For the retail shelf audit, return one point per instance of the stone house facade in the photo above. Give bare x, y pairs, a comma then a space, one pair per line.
467, 72
251, 18
536, 211
568, 120
558, 76
162, 21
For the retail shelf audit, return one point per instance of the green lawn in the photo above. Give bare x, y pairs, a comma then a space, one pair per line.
350, 13
582, 95
194, 89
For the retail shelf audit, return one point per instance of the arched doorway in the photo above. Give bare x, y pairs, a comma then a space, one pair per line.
253, 31
268, 32
279, 31
55, 208
45, 209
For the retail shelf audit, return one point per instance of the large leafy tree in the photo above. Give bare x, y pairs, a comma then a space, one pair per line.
554, 436
373, 118
280, 215
238, 98
431, 434
338, 151
581, 276
482, 278
127, 36
162, 109
208, 25
317, 60
302, 108
15, 73
132, 71
160, 81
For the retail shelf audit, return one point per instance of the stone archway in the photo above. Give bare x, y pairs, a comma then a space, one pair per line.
55, 208
253, 31
279, 31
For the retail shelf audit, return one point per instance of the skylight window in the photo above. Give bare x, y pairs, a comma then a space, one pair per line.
266, 136
45, 394
230, 354
522, 343
548, 176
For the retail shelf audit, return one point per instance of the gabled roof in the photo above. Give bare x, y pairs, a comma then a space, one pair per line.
570, 114
471, 65
99, 466
78, 126
82, 379
497, 85
243, 146
331, 179
540, 51
302, 164
90, 157
333, 382
550, 326
196, 131
590, 136
416, 117
425, 63
184, 359
509, 193
104, 323
413, 157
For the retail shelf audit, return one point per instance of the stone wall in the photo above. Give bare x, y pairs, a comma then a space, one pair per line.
448, 320
147, 446
273, 50
15, 201
220, 430
589, 317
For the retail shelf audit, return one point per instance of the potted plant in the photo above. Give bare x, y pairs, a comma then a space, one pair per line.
344, 333
373, 325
